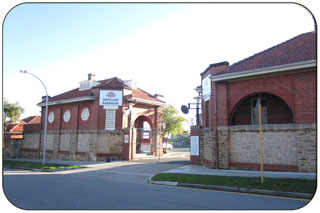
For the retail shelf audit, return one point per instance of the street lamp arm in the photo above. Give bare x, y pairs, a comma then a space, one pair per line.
46, 119
37, 78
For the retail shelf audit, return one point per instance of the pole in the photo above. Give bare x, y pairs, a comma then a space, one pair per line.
159, 145
46, 119
260, 132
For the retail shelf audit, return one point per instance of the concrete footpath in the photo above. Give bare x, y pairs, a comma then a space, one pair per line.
200, 170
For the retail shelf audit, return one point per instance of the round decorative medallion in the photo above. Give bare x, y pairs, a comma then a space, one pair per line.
85, 114
67, 116
51, 117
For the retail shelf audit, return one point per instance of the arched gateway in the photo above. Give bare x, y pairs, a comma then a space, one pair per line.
143, 129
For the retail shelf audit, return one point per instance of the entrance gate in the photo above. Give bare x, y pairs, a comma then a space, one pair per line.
143, 141
139, 142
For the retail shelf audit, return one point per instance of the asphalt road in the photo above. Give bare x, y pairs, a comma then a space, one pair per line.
124, 186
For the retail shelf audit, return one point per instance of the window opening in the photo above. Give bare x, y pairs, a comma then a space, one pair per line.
110, 119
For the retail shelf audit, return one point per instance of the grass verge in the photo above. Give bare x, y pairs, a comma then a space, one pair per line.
37, 165
287, 185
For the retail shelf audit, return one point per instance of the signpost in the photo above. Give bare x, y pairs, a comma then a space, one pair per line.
258, 105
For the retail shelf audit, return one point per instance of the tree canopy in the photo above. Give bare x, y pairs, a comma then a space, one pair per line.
172, 122
11, 111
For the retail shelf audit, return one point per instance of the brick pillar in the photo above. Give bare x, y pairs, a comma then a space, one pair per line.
195, 151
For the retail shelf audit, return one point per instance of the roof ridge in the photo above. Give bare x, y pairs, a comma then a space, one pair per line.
144, 91
62, 93
151, 96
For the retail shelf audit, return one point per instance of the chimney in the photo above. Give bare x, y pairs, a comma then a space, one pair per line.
43, 98
131, 84
91, 77
215, 68
158, 96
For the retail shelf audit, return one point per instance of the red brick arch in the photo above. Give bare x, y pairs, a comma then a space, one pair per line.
145, 118
251, 89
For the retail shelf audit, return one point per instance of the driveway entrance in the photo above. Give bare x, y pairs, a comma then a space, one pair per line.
138, 170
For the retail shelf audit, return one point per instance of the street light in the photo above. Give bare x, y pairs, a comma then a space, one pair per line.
46, 119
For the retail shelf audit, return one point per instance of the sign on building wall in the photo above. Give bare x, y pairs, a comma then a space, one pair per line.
110, 98
194, 145
126, 138
206, 88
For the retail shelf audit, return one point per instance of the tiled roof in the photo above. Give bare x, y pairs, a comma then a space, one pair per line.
75, 93
298, 49
31, 119
111, 83
18, 127
15, 127
139, 93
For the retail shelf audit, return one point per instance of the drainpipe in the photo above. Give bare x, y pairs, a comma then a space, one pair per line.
215, 125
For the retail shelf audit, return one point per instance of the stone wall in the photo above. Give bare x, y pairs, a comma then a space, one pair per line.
279, 145
84, 145
30, 145
307, 147
12, 148
286, 147
207, 147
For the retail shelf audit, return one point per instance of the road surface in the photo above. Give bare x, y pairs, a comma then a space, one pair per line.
124, 185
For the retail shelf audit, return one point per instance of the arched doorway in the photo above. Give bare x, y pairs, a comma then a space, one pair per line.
143, 128
274, 110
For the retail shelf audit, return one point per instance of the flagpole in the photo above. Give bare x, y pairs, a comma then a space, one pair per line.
261, 152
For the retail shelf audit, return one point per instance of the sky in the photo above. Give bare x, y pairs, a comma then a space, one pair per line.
163, 47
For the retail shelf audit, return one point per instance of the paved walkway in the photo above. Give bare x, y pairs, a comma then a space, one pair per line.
201, 170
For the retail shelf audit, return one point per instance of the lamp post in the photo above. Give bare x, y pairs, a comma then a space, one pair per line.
197, 109
185, 109
46, 119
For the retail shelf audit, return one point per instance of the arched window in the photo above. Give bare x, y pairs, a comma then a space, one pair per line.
273, 110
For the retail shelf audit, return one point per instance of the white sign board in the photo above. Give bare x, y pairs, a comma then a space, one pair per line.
126, 138
194, 145
206, 88
110, 98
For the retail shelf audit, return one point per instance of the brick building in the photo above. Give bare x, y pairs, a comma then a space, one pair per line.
13, 135
15, 130
284, 77
101, 120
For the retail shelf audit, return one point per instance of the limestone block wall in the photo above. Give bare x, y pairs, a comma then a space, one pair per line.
92, 145
83, 143
30, 145
207, 147
109, 145
157, 141
279, 144
12, 148
307, 147
286, 147
223, 147
31, 140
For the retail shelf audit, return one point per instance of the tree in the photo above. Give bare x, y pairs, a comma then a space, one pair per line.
172, 122
11, 112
